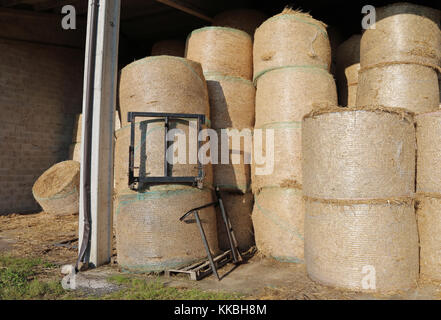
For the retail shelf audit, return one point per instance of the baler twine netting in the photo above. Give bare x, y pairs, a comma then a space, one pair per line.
291, 38
223, 50
149, 235
278, 217
358, 153
163, 84
57, 189
416, 30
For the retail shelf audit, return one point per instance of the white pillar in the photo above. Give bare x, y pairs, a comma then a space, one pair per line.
104, 102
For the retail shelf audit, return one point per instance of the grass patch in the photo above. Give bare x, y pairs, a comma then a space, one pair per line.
143, 289
19, 279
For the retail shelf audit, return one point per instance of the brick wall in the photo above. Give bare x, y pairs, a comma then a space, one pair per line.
40, 92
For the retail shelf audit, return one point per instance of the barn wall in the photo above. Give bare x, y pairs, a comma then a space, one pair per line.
40, 92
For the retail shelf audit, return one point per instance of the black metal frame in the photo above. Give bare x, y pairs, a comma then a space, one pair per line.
134, 181
235, 257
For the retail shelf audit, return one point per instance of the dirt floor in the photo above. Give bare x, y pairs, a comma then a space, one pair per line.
55, 240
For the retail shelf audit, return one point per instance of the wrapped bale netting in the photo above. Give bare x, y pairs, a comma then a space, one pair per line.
57, 189
233, 174
429, 229
171, 47
149, 235
348, 65
243, 19
287, 94
231, 101
346, 242
278, 217
163, 84
223, 50
149, 153
238, 208
404, 32
290, 38
358, 153
286, 151
428, 137
409, 86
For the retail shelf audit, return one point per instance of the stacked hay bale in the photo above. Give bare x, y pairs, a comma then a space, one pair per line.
428, 128
57, 189
150, 236
226, 58
171, 47
243, 19
358, 183
399, 59
348, 65
292, 58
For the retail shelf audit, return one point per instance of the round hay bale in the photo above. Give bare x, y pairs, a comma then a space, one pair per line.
171, 47
76, 136
243, 19
231, 101
345, 243
428, 137
348, 65
291, 38
223, 50
149, 153
238, 208
57, 189
234, 176
286, 95
163, 84
278, 217
149, 235
287, 164
358, 153
429, 229
75, 152
409, 86
404, 32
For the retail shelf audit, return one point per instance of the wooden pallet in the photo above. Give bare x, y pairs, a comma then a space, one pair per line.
202, 269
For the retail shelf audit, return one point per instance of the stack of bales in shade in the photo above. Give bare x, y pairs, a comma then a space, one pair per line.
150, 236
226, 57
75, 147
348, 65
358, 184
171, 47
428, 128
57, 189
292, 58
399, 59
243, 19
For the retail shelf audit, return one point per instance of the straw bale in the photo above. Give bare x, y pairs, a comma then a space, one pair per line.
404, 32
291, 38
57, 189
149, 235
223, 50
348, 65
278, 218
358, 153
344, 241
